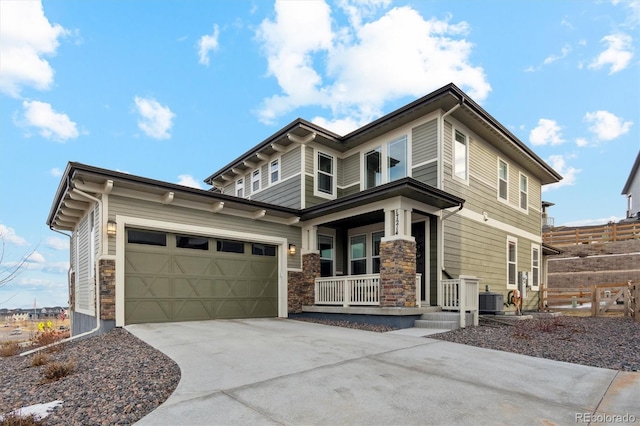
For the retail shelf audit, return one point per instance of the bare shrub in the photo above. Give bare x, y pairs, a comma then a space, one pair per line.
39, 359
9, 349
46, 338
58, 370
13, 419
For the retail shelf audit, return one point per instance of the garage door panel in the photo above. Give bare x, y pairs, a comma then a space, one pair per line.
146, 286
168, 283
142, 311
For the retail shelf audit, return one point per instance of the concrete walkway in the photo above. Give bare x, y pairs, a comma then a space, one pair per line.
278, 371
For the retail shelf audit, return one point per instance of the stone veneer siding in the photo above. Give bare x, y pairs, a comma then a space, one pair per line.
398, 274
107, 276
301, 285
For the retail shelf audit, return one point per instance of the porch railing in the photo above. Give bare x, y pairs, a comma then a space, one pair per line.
461, 295
353, 290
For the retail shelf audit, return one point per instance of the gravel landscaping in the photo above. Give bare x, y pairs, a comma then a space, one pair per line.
118, 379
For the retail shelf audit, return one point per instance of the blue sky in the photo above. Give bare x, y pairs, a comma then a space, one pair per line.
173, 90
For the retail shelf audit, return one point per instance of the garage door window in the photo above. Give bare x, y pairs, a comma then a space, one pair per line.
228, 246
197, 243
147, 238
263, 250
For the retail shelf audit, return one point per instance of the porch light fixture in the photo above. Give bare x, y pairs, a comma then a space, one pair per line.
292, 249
111, 228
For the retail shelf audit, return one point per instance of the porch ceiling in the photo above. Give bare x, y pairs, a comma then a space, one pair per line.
407, 187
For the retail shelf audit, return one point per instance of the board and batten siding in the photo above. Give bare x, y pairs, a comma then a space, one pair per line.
425, 142
182, 215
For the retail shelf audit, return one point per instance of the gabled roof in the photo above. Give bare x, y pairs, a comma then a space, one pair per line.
444, 98
634, 172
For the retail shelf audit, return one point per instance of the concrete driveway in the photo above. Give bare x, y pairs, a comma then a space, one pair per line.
278, 371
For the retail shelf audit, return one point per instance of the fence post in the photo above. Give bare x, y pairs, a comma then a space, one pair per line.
462, 301
595, 292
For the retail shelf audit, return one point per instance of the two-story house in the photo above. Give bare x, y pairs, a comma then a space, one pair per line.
388, 220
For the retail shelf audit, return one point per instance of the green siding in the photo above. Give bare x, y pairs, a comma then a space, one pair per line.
291, 163
169, 213
349, 190
427, 174
351, 170
310, 199
425, 142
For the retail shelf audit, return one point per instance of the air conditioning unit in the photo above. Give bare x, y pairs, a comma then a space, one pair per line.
491, 303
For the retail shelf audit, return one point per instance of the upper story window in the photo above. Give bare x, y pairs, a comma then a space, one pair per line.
274, 171
503, 180
524, 192
255, 180
240, 188
395, 165
461, 156
325, 174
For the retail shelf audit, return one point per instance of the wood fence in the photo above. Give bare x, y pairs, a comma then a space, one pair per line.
602, 297
592, 234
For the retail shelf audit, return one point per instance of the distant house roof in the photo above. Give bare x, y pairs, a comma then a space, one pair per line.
634, 172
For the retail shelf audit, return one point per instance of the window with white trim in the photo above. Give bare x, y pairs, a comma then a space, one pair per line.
255, 180
397, 159
512, 262
325, 247
386, 163
240, 188
376, 237
358, 250
274, 171
325, 174
535, 267
461, 156
503, 180
524, 192
373, 168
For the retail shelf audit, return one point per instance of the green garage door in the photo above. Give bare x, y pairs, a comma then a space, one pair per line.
173, 277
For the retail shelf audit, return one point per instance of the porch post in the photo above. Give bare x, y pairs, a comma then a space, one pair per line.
301, 285
397, 261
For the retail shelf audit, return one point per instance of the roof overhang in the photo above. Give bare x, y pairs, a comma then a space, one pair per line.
548, 250
70, 205
407, 187
632, 175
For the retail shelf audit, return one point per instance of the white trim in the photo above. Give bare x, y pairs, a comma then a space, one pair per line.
349, 186
277, 159
510, 229
498, 179
512, 239
240, 187
254, 180
526, 208
424, 163
467, 143
124, 222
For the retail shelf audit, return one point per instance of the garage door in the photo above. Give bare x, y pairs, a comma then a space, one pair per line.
174, 277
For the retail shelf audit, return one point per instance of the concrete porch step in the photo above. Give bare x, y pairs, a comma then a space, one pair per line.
442, 319
443, 325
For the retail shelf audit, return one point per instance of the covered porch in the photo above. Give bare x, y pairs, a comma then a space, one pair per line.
379, 251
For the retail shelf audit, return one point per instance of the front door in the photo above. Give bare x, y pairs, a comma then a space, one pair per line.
419, 232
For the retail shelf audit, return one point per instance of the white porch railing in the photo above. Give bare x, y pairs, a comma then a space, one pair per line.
460, 295
353, 290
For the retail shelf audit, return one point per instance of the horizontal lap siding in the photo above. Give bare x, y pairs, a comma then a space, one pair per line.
182, 215
310, 199
286, 194
425, 142
350, 170
291, 163
349, 190
427, 174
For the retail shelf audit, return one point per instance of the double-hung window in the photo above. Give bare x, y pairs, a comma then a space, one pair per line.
255, 180
503, 180
461, 156
376, 237
535, 267
512, 262
524, 192
274, 171
240, 188
325, 176
386, 163
325, 246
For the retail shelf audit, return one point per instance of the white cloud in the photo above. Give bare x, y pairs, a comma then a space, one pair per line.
588, 222
56, 172
206, 44
337, 68
606, 126
57, 243
155, 120
9, 236
27, 36
618, 53
35, 257
563, 54
188, 180
581, 142
548, 132
51, 124
568, 173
